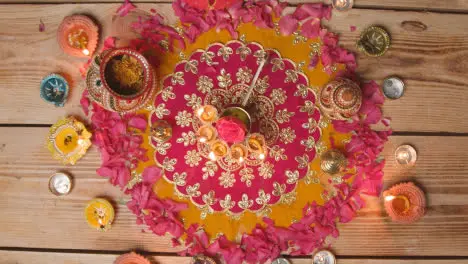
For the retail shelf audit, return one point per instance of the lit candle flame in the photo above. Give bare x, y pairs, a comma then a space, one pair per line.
241, 159
212, 156
200, 111
261, 156
389, 198
80, 141
85, 52
202, 139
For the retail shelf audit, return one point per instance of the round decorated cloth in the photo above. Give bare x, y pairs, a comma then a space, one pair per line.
259, 209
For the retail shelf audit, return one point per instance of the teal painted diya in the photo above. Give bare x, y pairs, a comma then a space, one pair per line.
54, 89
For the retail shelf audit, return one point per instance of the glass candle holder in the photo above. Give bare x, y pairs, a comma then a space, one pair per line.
206, 134
207, 114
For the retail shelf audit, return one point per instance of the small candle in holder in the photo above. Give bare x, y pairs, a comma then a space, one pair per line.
60, 184
406, 155
405, 203
324, 257
206, 134
342, 5
239, 152
219, 148
207, 114
256, 143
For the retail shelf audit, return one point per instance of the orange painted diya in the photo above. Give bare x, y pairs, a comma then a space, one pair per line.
131, 258
78, 36
405, 203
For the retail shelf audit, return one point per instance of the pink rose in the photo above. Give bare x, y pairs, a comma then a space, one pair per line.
231, 129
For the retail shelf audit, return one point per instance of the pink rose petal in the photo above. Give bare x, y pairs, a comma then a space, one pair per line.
288, 24
126, 7
352, 28
41, 26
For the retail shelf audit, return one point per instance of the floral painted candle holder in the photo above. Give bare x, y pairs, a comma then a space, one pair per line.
405, 203
78, 36
68, 140
54, 89
99, 214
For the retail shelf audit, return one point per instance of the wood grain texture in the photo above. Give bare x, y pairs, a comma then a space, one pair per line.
429, 55
12, 257
32, 217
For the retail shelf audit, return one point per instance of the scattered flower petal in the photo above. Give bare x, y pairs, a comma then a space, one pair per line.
126, 7
41, 26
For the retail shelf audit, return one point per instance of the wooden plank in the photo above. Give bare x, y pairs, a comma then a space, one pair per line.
27, 257
32, 217
428, 54
441, 6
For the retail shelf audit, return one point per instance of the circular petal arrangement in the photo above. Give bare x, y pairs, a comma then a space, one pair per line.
232, 173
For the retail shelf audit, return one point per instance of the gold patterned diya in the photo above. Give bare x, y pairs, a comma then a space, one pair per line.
374, 41
78, 35
126, 74
68, 140
333, 161
340, 99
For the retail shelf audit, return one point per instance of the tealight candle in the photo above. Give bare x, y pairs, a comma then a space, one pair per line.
256, 143
207, 114
239, 152
342, 5
219, 148
406, 155
206, 134
60, 184
405, 203
78, 35
324, 257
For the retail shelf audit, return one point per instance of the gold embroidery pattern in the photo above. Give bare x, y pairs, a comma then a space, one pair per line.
191, 66
283, 116
192, 158
167, 94
243, 51
160, 111
278, 96
291, 76
247, 176
309, 143
187, 138
293, 176
245, 203
311, 125
302, 91
179, 179
278, 64
308, 108
162, 147
263, 198
277, 153
303, 161
278, 189
193, 101
209, 169
244, 75
262, 84
287, 135
227, 179
178, 78
193, 190
227, 203
168, 164
204, 84
183, 118
266, 170
207, 57
225, 52
224, 80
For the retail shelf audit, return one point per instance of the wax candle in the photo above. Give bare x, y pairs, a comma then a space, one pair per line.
207, 114
406, 155
239, 152
206, 134
342, 5
60, 184
219, 149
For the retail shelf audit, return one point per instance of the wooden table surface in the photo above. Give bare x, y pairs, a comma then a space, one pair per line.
429, 51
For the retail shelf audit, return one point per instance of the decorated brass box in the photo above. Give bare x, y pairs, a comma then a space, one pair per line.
68, 140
